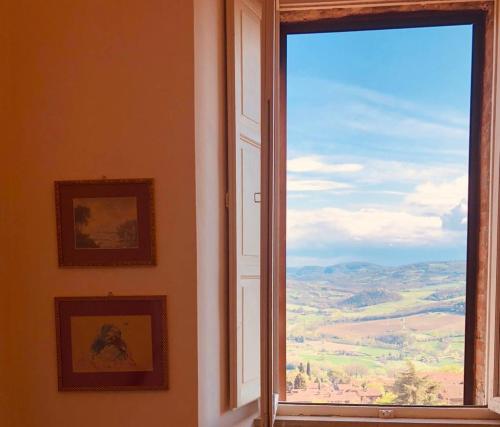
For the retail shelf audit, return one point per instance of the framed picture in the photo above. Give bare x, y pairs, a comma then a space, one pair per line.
105, 222
111, 343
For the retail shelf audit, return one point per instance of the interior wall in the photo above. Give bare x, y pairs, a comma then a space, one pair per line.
101, 88
211, 167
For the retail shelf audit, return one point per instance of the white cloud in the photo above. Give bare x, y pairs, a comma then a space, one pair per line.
315, 185
322, 227
439, 198
379, 171
369, 97
434, 213
381, 121
432, 205
390, 174
318, 164
333, 108
456, 218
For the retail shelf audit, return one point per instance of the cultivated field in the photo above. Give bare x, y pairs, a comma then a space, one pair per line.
363, 333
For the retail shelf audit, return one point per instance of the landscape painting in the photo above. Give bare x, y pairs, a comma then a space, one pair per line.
108, 222
111, 343
105, 222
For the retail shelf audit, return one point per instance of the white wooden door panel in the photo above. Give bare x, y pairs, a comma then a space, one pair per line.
250, 204
250, 303
250, 64
244, 19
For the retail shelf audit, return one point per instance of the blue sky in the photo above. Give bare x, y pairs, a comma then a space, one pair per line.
378, 136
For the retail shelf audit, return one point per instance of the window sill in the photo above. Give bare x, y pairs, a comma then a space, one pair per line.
324, 415
312, 421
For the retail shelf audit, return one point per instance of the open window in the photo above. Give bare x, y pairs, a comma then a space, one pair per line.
359, 306
257, 139
383, 203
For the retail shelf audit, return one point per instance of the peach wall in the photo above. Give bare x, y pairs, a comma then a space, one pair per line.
100, 88
211, 178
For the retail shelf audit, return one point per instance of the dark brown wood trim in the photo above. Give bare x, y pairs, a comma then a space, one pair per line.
482, 138
313, 17
474, 195
480, 15
282, 220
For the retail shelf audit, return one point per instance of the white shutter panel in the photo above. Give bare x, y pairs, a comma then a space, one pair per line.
244, 18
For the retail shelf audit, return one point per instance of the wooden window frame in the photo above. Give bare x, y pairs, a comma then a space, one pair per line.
480, 15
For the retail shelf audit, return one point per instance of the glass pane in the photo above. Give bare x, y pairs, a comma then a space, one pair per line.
377, 165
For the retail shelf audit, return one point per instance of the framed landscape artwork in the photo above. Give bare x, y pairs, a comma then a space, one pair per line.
105, 222
111, 343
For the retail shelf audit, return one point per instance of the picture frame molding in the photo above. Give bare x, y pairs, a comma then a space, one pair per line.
162, 299
64, 262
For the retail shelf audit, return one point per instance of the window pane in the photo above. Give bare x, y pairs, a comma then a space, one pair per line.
377, 182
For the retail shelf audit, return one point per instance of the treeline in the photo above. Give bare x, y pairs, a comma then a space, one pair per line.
409, 387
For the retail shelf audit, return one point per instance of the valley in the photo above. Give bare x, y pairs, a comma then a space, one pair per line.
365, 333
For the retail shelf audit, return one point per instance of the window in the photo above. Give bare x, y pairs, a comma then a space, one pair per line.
386, 150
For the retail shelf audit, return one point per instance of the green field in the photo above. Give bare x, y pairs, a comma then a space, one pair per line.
364, 327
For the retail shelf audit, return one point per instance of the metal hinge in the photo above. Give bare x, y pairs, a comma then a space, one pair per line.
227, 200
385, 413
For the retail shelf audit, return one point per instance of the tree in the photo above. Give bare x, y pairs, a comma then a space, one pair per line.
299, 382
356, 370
82, 215
83, 240
411, 389
127, 232
387, 398
336, 376
301, 367
308, 369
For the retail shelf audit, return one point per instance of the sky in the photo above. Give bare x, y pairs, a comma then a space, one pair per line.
377, 145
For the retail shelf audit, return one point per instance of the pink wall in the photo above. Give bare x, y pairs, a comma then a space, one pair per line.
100, 88
121, 89
211, 148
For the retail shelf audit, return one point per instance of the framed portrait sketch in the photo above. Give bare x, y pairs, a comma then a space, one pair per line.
105, 222
111, 343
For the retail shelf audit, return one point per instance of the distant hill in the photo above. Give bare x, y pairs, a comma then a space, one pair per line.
370, 297
358, 276
446, 294
353, 267
357, 286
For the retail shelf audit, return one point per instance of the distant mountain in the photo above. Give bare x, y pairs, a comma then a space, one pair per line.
351, 267
357, 276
